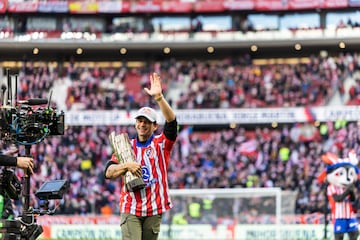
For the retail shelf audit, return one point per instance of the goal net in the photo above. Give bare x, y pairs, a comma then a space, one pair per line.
226, 213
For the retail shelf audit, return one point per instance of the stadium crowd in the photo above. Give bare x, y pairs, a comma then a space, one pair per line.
226, 83
260, 156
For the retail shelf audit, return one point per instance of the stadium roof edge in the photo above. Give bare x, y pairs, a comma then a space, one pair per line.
139, 49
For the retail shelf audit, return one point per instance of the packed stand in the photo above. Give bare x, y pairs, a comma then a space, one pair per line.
226, 83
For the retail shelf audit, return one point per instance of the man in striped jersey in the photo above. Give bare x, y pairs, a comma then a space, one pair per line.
141, 211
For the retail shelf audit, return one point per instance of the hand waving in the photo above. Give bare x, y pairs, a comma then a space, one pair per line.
155, 85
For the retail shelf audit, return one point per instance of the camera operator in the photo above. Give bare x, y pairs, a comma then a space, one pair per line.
7, 159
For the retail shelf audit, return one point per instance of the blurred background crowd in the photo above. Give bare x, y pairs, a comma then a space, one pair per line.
285, 156
198, 84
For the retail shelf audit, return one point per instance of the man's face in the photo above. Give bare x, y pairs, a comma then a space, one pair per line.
144, 128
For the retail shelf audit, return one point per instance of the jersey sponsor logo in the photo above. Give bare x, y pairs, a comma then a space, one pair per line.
145, 173
152, 181
147, 176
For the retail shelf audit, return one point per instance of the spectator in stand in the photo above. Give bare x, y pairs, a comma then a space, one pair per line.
197, 25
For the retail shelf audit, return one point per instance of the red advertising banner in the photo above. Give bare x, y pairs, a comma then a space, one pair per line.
173, 6
83, 7
303, 4
239, 4
209, 6
145, 6
167, 6
3, 6
270, 5
22, 7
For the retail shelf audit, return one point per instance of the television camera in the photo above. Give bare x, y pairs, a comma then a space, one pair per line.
27, 122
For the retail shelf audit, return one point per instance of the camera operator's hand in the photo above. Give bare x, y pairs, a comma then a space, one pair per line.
26, 163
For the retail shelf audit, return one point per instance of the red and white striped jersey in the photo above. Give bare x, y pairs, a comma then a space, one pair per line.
343, 209
154, 199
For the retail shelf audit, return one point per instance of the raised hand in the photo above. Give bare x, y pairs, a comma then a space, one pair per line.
155, 86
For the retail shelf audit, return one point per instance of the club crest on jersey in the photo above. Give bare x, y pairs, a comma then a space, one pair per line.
150, 152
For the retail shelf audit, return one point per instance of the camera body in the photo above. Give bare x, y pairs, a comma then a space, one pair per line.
10, 185
26, 125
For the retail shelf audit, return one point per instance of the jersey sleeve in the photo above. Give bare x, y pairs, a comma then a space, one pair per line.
171, 130
8, 160
112, 161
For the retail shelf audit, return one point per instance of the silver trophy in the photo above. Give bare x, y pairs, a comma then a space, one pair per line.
124, 153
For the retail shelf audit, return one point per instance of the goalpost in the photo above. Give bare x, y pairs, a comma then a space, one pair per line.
217, 213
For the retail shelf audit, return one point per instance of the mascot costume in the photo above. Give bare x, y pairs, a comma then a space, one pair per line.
342, 176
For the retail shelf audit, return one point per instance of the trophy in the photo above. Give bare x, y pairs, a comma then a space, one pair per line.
124, 153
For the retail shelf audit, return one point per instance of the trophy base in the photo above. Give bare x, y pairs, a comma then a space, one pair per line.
135, 185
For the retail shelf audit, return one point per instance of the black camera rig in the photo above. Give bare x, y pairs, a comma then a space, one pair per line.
21, 123
26, 122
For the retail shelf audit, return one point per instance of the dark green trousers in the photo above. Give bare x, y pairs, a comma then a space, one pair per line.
140, 228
